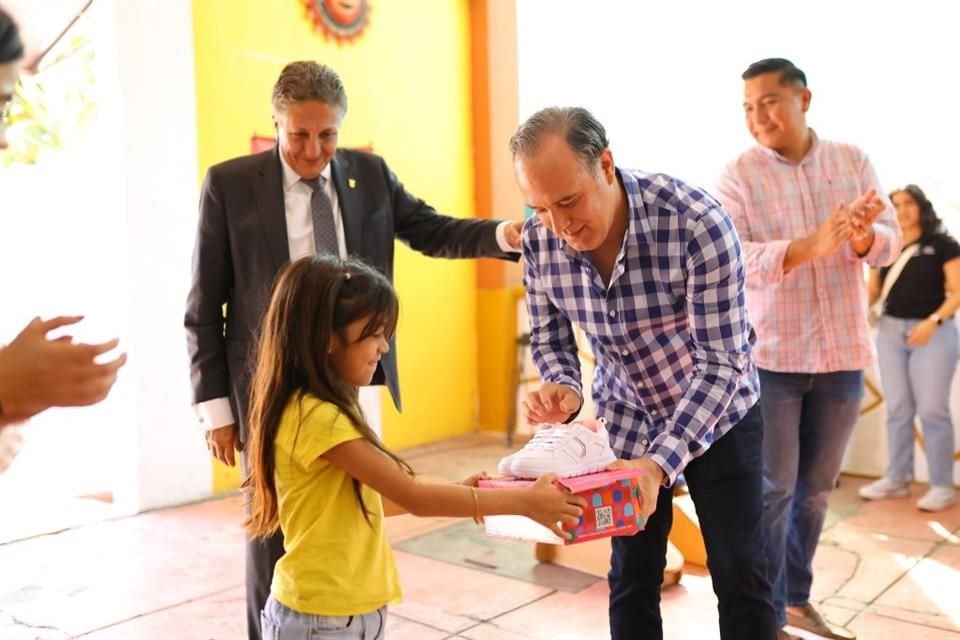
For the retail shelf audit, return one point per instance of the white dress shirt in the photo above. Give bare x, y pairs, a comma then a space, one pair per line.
296, 202
217, 413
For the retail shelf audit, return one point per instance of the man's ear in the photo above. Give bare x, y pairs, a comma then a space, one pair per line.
607, 167
805, 98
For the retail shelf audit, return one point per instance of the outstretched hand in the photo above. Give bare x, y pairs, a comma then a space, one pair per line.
37, 373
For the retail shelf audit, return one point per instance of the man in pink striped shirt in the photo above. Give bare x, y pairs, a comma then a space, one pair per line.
809, 213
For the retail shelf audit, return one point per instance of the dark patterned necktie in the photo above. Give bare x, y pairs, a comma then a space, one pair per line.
321, 212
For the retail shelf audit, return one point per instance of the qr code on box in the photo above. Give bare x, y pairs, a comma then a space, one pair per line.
604, 516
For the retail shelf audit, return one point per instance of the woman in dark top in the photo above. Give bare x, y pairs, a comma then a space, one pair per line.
917, 347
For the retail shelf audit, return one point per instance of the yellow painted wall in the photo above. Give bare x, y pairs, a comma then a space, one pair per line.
408, 86
498, 364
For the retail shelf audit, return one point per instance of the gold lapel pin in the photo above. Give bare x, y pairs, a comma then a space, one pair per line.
352, 183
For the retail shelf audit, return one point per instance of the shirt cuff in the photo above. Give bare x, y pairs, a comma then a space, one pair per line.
214, 414
772, 261
502, 238
567, 381
877, 254
671, 454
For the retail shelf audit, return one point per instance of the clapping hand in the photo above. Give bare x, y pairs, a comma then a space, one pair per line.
863, 212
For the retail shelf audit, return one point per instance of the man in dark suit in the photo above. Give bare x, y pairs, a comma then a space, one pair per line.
303, 197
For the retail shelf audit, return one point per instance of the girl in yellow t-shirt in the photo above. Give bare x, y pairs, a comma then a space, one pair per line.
317, 469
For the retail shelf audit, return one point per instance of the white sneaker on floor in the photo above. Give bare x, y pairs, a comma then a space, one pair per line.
937, 499
884, 488
567, 450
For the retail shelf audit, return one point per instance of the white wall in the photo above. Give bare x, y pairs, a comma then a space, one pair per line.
149, 155
105, 228
664, 78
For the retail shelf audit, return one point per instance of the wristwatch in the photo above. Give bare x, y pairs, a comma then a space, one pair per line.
936, 317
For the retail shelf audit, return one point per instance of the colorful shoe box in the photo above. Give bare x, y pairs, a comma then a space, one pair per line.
613, 508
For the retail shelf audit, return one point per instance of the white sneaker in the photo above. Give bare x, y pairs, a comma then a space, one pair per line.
937, 499
506, 464
505, 467
884, 488
567, 450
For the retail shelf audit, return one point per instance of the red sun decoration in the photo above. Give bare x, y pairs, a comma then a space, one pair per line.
339, 20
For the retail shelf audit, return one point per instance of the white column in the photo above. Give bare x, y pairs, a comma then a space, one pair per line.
147, 116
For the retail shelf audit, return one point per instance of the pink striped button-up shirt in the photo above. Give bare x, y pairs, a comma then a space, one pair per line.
813, 318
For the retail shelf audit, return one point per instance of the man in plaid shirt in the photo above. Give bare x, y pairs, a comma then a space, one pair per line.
651, 269
810, 212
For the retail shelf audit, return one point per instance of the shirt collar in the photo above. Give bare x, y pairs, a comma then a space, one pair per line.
811, 154
290, 177
639, 227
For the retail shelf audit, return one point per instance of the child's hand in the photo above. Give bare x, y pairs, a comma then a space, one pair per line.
553, 506
474, 479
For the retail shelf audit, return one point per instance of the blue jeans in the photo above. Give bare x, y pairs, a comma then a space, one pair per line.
808, 419
279, 622
916, 383
725, 484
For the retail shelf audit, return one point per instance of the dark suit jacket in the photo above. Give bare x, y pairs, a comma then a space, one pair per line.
242, 243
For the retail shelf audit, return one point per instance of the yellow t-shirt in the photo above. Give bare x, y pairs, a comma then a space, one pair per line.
336, 563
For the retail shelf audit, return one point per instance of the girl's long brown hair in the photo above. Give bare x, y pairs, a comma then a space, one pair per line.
313, 301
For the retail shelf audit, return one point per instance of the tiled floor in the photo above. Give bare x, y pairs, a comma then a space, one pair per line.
885, 570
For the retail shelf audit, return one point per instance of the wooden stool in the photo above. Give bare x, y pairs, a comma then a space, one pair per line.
593, 557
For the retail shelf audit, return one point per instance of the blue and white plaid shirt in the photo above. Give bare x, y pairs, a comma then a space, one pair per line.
670, 333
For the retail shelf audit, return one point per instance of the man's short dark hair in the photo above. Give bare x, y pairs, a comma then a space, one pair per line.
789, 72
308, 80
582, 131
